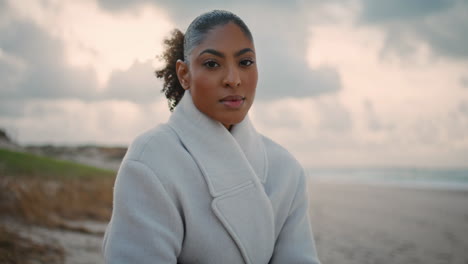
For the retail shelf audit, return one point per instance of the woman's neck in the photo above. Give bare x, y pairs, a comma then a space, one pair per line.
228, 127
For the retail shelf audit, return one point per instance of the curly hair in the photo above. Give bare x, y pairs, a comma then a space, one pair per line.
179, 47
174, 50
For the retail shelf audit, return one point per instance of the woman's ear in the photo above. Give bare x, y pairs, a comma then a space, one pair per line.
183, 74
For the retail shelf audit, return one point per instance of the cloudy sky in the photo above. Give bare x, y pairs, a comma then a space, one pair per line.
342, 82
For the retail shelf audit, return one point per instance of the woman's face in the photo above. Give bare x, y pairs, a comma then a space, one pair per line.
222, 74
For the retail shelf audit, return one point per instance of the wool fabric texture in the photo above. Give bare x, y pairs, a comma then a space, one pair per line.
191, 191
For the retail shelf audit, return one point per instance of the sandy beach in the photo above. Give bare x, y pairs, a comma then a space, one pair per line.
381, 224
354, 224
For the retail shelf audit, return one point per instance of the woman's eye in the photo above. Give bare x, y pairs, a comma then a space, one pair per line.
211, 64
246, 62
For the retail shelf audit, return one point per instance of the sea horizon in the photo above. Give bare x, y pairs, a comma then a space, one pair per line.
411, 177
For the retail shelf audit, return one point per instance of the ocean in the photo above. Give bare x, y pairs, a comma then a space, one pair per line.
427, 178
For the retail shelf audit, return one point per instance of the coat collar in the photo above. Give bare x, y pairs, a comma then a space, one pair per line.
228, 159
234, 164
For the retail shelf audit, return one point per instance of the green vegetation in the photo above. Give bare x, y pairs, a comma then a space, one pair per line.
14, 163
41, 191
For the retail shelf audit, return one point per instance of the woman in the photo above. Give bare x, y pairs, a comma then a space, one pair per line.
206, 187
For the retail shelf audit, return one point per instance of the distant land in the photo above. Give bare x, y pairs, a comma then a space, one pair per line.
97, 156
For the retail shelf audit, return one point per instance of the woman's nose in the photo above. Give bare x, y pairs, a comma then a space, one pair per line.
232, 78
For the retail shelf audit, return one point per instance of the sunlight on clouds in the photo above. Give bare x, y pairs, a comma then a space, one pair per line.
320, 132
391, 110
98, 38
356, 53
402, 90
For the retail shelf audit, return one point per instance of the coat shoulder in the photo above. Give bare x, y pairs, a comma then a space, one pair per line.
278, 154
284, 171
153, 144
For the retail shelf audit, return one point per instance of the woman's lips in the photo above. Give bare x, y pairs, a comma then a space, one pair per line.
233, 101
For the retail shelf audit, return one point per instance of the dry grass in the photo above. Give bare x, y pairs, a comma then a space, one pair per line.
50, 204
48, 201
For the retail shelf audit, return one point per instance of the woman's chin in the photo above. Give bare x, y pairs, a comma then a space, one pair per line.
232, 121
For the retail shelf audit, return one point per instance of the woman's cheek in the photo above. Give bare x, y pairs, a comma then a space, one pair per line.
207, 82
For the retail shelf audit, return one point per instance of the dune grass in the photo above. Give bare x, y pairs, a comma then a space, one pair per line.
38, 189
21, 164
41, 191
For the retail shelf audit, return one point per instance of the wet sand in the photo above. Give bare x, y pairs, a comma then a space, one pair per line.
379, 224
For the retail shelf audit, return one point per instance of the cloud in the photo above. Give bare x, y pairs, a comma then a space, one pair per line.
3, 5
104, 41
326, 131
374, 122
281, 46
389, 112
11, 72
313, 123
278, 30
32, 64
71, 121
464, 81
11, 109
137, 84
378, 11
341, 82
43, 55
195, 8
284, 72
442, 25
334, 116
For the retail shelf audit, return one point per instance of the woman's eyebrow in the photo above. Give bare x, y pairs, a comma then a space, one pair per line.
242, 51
212, 51
220, 54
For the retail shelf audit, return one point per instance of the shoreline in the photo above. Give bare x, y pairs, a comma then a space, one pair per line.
352, 224
414, 185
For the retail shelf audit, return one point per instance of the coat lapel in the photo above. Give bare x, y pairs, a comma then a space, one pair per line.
234, 166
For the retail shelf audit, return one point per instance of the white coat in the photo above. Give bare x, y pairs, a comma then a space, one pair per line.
190, 191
